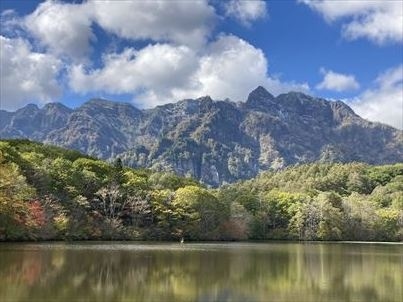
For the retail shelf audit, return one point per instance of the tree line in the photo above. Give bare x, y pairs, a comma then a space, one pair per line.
50, 193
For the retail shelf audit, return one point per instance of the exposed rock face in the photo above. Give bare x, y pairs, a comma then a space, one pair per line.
32, 122
213, 141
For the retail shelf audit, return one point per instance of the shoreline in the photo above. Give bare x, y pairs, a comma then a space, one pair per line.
153, 242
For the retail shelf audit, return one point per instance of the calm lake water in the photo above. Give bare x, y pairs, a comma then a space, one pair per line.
201, 272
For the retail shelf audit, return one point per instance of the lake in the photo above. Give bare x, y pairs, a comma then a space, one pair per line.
116, 271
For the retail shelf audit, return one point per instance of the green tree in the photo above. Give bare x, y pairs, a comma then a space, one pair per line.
200, 212
14, 196
117, 171
389, 226
360, 217
317, 220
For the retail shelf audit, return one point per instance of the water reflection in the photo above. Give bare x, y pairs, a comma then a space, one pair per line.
201, 272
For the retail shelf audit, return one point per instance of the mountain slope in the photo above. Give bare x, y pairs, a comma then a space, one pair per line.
213, 141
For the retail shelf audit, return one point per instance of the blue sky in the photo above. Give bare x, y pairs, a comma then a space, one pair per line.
151, 53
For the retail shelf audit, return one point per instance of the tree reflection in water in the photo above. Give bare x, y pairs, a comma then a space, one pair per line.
201, 272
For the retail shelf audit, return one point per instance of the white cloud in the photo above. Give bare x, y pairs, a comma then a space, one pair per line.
26, 76
64, 28
158, 68
8, 20
181, 64
231, 68
337, 81
183, 22
378, 20
246, 11
384, 103
228, 68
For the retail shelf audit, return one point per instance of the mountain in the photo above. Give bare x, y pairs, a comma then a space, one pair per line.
32, 122
216, 142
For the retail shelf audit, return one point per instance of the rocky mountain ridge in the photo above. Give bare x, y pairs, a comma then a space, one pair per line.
214, 141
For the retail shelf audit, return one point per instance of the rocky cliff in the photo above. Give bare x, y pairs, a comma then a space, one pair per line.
214, 141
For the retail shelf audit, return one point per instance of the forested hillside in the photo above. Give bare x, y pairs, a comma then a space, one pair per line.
49, 193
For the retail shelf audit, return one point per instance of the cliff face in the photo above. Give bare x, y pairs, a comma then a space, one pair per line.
213, 141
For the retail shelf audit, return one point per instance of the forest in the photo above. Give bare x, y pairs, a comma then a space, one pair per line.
50, 193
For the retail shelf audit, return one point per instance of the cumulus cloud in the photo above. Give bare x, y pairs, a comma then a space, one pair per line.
337, 81
26, 76
158, 68
63, 28
246, 11
378, 20
228, 68
179, 61
183, 22
232, 67
384, 103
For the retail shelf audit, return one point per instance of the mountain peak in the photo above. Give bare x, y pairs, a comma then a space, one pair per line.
259, 93
51, 107
205, 98
106, 104
342, 111
31, 107
55, 105
98, 102
28, 109
259, 98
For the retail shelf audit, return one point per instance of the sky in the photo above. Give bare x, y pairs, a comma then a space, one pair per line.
150, 53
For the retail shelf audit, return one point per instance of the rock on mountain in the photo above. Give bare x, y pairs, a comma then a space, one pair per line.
214, 141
